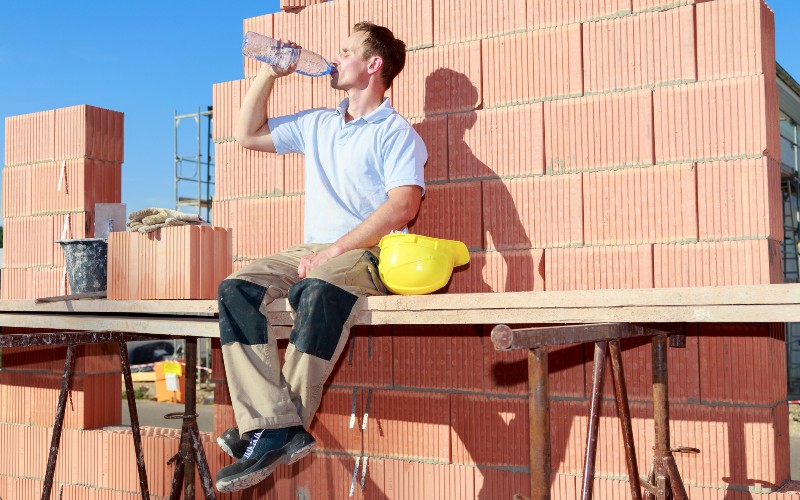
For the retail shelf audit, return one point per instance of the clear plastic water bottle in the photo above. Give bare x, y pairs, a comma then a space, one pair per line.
275, 53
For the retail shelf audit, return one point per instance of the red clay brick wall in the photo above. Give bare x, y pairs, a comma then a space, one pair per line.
58, 164
93, 464
573, 145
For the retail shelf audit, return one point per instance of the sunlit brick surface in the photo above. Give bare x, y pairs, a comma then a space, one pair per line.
573, 145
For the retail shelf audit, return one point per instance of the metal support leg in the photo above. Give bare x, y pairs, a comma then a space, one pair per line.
539, 413
665, 470
191, 448
190, 406
624, 413
594, 417
137, 435
69, 365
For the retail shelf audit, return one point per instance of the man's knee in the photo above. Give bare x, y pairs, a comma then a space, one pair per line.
240, 317
322, 310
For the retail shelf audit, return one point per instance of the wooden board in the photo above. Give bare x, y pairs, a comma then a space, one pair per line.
732, 295
758, 304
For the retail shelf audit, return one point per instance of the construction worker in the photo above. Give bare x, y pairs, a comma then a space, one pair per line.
363, 179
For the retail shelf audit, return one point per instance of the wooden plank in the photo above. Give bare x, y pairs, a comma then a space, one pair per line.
734, 295
157, 307
208, 327
756, 313
750, 294
174, 326
72, 296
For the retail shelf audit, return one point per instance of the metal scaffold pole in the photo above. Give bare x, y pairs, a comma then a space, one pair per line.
194, 169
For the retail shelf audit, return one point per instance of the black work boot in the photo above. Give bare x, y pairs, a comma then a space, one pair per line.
267, 449
233, 444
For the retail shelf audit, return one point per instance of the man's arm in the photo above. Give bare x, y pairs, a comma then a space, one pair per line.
395, 213
252, 130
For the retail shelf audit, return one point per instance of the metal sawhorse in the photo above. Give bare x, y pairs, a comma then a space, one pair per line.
663, 481
191, 448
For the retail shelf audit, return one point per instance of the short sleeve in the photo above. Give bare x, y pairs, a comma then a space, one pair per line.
404, 156
288, 132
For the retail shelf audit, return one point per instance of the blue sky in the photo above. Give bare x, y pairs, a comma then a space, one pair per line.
150, 59
147, 59
787, 37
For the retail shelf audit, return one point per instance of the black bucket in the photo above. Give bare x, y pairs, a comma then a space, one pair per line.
87, 263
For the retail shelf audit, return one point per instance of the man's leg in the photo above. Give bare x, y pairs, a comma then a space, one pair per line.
324, 312
261, 401
326, 304
252, 362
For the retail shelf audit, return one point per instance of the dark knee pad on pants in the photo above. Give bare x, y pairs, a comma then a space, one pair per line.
322, 309
240, 317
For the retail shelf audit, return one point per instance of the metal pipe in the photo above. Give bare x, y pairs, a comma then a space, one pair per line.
202, 464
502, 337
660, 394
177, 477
594, 417
624, 413
137, 436
190, 418
650, 485
51, 339
69, 365
678, 489
539, 422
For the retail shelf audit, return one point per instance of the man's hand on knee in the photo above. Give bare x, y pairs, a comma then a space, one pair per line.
309, 262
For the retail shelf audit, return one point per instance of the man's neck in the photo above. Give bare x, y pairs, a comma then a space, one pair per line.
362, 102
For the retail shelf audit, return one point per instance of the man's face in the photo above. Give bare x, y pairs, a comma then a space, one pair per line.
351, 65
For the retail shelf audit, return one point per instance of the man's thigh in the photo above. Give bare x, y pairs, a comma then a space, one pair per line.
356, 271
277, 272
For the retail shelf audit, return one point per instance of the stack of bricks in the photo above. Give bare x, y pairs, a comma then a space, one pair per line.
94, 464
572, 145
58, 165
170, 263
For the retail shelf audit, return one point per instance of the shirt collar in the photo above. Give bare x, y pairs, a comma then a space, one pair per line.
383, 111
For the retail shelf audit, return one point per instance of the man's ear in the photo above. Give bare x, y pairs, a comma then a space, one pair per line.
375, 64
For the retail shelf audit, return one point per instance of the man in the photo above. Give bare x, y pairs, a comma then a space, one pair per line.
363, 179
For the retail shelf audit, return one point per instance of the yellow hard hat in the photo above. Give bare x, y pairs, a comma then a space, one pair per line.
411, 264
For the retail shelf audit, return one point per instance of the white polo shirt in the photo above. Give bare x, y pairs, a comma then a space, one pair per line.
349, 167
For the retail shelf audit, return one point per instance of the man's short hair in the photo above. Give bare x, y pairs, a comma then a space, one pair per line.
380, 41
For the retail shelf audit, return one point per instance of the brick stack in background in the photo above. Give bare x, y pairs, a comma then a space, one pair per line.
92, 464
58, 164
572, 145
95, 461
183, 262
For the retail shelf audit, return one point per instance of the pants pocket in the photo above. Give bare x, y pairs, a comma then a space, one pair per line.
364, 275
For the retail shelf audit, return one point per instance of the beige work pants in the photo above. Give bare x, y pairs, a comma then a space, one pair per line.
264, 395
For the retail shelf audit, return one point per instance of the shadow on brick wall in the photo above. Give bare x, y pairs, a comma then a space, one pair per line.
464, 219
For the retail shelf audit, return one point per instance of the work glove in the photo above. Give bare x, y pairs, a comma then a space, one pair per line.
150, 219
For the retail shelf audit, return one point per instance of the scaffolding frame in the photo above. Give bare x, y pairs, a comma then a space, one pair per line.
196, 169
791, 229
